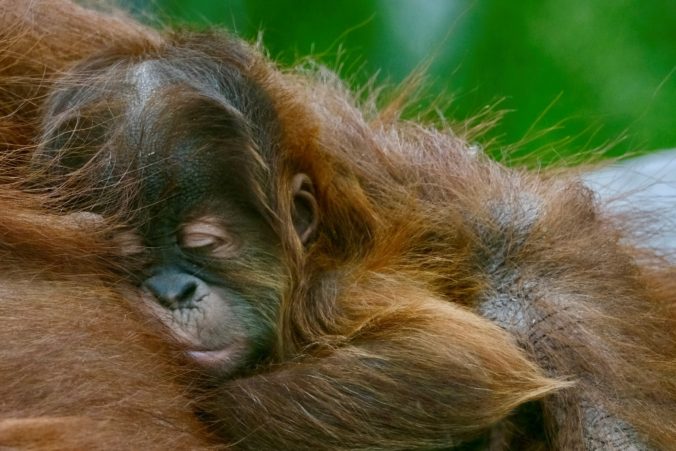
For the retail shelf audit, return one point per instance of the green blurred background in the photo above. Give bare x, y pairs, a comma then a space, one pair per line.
572, 76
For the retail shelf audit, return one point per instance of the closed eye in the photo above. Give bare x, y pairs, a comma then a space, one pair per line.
207, 235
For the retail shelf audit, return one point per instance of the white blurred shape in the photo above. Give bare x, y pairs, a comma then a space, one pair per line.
645, 189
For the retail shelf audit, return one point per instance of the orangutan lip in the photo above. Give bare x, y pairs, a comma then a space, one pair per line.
211, 358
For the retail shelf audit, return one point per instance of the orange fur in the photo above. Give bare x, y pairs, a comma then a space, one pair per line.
80, 368
446, 300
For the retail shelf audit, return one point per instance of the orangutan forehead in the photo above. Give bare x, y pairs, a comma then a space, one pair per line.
176, 116
185, 130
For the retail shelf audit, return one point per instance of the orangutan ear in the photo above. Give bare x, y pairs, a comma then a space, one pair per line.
305, 211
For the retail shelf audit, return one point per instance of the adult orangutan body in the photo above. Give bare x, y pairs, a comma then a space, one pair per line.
80, 369
343, 279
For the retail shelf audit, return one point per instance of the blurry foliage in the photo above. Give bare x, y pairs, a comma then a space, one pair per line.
573, 76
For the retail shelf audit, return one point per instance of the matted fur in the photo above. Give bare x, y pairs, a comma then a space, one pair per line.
446, 300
